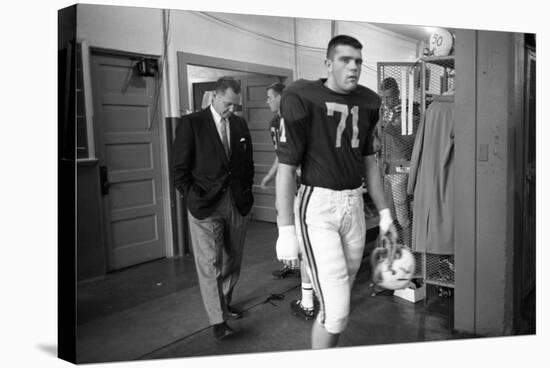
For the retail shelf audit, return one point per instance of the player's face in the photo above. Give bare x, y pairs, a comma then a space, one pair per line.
273, 100
225, 103
390, 97
344, 68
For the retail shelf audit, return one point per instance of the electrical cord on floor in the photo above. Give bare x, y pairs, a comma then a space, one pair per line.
270, 298
274, 297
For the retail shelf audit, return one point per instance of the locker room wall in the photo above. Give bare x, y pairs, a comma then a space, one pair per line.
488, 138
314, 33
140, 30
121, 28
379, 45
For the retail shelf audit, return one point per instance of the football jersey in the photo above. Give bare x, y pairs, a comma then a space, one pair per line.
398, 146
274, 125
327, 133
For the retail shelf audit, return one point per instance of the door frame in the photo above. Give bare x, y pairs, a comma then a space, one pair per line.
162, 142
185, 58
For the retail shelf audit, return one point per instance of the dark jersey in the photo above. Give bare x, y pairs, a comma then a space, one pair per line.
398, 146
275, 131
327, 133
274, 126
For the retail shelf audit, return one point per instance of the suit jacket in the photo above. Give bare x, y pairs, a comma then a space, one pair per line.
201, 170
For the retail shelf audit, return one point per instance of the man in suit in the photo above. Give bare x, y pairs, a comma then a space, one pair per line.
214, 171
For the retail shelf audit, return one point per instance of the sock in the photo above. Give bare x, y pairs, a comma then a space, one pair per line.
307, 296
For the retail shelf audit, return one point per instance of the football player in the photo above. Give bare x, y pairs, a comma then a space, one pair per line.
303, 307
327, 129
398, 149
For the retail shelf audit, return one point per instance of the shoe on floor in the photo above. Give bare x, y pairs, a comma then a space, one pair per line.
233, 313
299, 311
222, 331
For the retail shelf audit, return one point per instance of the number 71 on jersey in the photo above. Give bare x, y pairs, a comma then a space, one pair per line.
344, 112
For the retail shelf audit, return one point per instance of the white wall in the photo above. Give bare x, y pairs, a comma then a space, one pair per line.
312, 36
379, 45
121, 28
248, 38
279, 28
200, 34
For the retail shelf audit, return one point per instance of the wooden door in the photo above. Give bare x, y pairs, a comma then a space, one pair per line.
126, 120
257, 114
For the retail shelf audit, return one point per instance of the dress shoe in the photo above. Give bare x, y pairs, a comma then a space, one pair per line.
233, 313
222, 331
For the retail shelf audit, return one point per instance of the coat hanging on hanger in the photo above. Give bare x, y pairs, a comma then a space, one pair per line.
431, 179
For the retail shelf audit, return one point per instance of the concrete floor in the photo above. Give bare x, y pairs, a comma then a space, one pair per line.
154, 311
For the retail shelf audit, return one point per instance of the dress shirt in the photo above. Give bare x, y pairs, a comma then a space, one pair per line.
219, 121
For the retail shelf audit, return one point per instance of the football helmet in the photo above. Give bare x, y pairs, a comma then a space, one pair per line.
393, 265
441, 42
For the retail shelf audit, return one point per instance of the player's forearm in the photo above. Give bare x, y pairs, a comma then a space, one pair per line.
285, 190
374, 183
273, 170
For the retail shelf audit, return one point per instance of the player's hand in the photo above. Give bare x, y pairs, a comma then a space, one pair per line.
387, 228
397, 109
287, 246
264, 182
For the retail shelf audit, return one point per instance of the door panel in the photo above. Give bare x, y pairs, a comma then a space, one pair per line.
128, 145
258, 115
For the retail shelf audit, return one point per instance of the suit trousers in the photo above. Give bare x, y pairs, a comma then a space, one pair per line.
218, 242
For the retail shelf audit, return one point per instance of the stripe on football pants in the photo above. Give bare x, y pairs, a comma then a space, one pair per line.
304, 201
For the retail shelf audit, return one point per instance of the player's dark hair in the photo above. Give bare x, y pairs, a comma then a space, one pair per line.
224, 83
276, 87
342, 40
389, 83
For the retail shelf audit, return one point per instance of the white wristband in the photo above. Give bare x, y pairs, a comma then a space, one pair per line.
287, 247
385, 220
385, 214
287, 230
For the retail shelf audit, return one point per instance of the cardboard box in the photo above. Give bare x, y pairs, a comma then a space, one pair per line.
412, 295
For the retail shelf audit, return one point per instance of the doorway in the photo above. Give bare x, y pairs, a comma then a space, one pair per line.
196, 75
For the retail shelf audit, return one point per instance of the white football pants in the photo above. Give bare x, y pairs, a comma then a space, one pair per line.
330, 225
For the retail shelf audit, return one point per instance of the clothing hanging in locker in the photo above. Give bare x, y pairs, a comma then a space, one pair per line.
431, 179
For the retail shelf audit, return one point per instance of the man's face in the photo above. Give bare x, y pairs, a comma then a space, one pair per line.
225, 103
273, 100
390, 97
344, 68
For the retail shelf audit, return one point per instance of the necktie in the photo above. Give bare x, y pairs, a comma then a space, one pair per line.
223, 131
